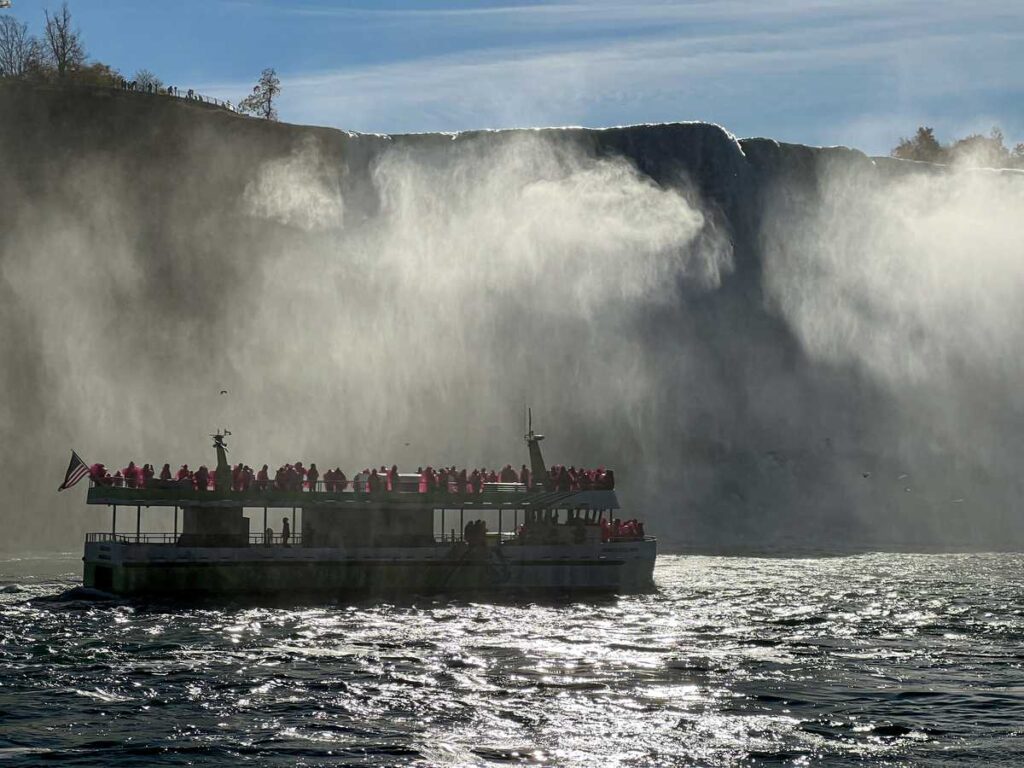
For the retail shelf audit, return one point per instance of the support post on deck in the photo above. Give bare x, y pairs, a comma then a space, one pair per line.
294, 530
113, 523
138, 522
462, 523
499, 526
264, 531
442, 523
175, 523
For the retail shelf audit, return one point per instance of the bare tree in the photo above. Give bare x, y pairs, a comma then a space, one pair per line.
18, 49
147, 81
63, 44
261, 101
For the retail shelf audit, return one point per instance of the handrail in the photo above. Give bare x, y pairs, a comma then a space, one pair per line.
274, 539
353, 487
296, 540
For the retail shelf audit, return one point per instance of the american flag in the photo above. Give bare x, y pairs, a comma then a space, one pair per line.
77, 469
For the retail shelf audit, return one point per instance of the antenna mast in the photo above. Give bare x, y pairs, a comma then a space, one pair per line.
537, 468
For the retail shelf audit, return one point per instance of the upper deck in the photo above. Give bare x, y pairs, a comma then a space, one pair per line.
294, 487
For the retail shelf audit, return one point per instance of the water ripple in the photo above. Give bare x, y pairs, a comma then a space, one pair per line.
901, 659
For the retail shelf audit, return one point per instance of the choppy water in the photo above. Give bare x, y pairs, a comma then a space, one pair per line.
878, 659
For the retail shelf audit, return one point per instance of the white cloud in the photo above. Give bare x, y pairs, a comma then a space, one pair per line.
718, 59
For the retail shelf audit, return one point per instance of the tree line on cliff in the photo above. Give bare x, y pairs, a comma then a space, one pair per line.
59, 57
973, 150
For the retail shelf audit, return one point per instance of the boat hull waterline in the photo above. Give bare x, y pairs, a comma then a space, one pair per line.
131, 569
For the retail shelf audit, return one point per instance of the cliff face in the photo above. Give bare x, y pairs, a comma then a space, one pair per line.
772, 344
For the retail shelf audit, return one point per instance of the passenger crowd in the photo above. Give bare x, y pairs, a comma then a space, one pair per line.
621, 529
296, 477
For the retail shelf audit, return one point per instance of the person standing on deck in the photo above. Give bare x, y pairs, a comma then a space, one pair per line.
130, 475
286, 532
299, 476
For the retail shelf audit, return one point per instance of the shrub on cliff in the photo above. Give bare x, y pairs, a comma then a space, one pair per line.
975, 150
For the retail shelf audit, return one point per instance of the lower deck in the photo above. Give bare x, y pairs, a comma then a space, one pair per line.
122, 566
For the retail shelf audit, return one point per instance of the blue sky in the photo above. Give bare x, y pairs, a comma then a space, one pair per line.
854, 72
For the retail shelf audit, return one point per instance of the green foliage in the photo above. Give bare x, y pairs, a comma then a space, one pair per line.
974, 151
923, 146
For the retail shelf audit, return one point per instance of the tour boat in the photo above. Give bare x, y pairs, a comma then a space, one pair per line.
357, 541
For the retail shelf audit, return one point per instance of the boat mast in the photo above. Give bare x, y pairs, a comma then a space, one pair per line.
538, 471
223, 474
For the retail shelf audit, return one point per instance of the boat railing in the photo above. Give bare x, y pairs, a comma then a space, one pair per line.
252, 539
356, 485
350, 488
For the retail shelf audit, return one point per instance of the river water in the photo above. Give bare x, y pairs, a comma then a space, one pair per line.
871, 659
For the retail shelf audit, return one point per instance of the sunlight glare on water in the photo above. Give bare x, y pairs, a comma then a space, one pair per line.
906, 659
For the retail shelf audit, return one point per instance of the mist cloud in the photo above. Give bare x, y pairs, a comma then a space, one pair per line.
914, 278
769, 343
296, 191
